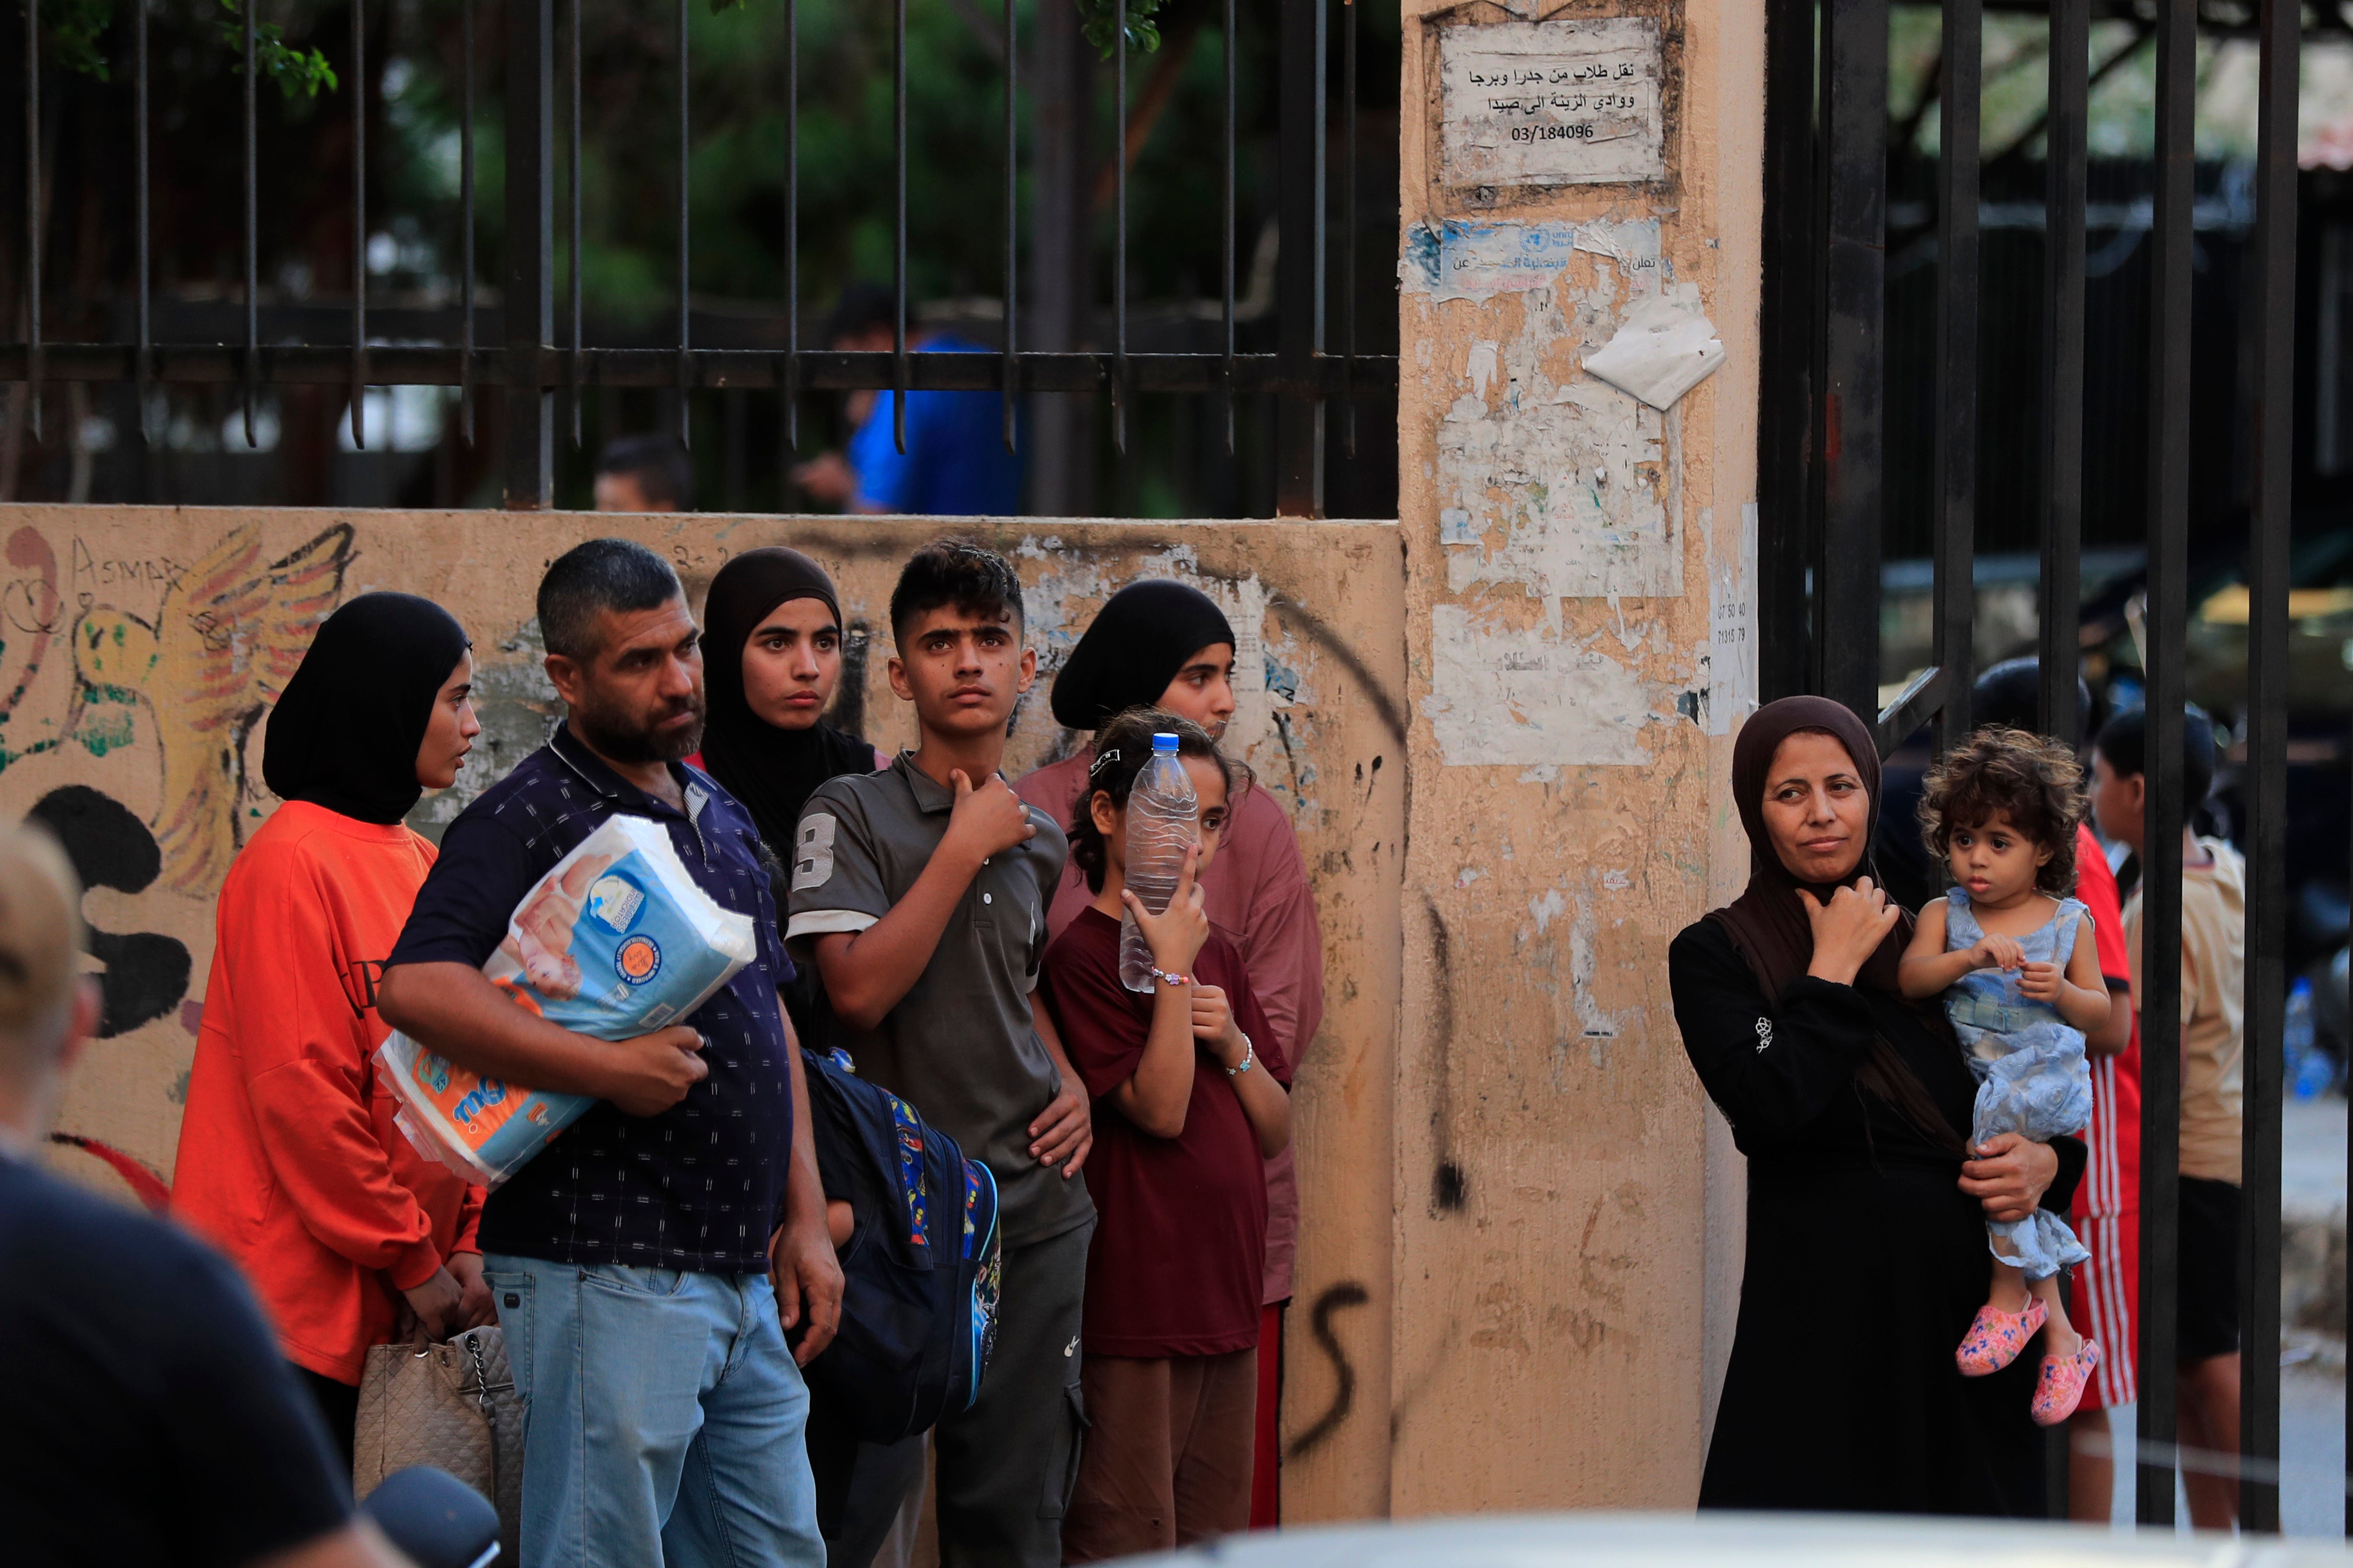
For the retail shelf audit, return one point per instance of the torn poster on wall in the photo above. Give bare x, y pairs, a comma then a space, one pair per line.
1552, 103
1526, 696
1471, 258
1665, 347
1732, 630
1561, 486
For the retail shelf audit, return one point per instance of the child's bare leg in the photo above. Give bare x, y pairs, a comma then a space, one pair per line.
2009, 1293
2059, 1336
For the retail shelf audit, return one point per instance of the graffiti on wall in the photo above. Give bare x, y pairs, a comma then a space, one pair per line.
228, 634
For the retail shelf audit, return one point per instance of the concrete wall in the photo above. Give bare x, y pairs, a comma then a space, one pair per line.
1572, 554
142, 647
1521, 1246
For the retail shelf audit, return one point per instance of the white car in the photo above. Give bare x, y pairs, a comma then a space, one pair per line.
1744, 1540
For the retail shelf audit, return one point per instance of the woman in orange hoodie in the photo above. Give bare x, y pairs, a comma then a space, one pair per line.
289, 1159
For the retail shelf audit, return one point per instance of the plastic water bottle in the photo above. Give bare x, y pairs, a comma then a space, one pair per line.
1162, 822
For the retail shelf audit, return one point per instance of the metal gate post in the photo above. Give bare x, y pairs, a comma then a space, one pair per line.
1299, 265
1784, 420
2172, 241
1854, 266
2062, 367
529, 295
1956, 368
2274, 315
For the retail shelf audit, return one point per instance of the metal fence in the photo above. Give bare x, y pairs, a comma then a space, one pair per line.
542, 362
1820, 497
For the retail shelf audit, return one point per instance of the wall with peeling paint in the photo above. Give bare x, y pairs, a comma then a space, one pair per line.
1521, 1240
143, 647
1568, 1241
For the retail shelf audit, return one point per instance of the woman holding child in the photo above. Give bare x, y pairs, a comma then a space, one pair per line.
1867, 1240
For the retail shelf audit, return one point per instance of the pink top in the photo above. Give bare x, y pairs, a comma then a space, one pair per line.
1259, 900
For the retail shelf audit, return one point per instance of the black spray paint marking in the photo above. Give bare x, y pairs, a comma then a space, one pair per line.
849, 714
145, 975
1450, 1187
1348, 1293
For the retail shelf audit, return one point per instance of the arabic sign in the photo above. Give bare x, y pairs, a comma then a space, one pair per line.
1552, 103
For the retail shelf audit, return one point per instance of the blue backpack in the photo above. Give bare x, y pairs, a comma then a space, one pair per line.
922, 1266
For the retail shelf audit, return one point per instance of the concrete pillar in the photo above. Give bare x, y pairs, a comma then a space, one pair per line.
1564, 1266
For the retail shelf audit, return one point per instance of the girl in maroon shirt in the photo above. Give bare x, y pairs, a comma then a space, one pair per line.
1189, 1101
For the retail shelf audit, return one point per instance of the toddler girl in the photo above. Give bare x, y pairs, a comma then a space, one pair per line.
1188, 1102
2013, 957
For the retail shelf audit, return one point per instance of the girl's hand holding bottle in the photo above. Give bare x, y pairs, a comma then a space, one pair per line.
1177, 933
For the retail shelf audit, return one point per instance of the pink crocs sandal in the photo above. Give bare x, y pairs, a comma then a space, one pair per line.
1995, 1339
2061, 1385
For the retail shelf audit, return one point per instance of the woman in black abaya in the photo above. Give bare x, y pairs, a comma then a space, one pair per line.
1866, 1249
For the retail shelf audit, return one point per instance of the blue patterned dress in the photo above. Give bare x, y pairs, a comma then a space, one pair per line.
2029, 1063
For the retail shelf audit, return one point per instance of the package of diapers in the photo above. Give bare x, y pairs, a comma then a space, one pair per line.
616, 942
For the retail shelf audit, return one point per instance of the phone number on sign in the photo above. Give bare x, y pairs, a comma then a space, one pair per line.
1575, 131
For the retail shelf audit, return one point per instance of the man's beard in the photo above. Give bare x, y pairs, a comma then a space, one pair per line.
618, 737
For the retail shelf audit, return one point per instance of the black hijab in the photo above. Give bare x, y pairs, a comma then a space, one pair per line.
1768, 923
771, 771
346, 730
1139, 641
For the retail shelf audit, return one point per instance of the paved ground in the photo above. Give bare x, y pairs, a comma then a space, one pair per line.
2312, 1153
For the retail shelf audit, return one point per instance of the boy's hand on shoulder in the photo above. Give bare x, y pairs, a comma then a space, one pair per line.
987, 820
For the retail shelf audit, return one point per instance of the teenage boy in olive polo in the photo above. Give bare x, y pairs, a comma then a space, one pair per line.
921, 894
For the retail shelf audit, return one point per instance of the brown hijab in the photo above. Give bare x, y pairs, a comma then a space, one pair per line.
1769, 926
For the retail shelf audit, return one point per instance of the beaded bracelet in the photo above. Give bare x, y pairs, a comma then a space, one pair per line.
1172, 981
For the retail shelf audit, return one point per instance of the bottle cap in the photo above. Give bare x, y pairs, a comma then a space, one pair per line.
1163, 743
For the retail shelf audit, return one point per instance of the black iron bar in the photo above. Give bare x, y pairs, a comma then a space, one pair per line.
790, 385
1225, 287
2063, 372
899, 225
527, 308
572, 218
359, 224
2273, 350
1300, 276
1348, 223
1012, 233
1786, 400
252, 226
1854, 285
685, 369
466, 222
1957, 369
1119, 231
2171, 245
142, 198
536, 366
33, 210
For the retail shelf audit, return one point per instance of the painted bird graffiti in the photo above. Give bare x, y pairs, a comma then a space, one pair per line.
225, 639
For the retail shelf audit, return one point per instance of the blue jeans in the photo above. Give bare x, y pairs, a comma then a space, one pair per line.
664, 1418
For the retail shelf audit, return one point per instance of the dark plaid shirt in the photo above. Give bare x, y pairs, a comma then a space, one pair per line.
701, 1186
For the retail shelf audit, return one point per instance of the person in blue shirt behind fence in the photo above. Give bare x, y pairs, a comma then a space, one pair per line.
956, 463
